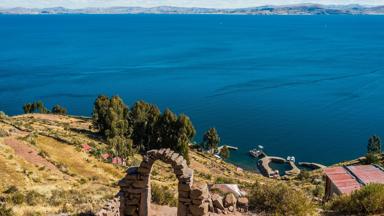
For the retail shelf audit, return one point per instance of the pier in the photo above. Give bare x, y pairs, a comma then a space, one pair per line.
269, 172
228, 146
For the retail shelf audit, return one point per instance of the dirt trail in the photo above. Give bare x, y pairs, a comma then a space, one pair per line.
29, 153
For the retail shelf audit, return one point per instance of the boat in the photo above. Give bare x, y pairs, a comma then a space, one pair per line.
256, 153
291, 158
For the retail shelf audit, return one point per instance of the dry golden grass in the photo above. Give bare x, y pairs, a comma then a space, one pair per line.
78, 163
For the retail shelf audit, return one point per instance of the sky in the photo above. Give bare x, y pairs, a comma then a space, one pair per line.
178, 3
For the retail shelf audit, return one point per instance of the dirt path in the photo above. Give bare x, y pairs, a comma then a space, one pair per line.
158, 210
28, 153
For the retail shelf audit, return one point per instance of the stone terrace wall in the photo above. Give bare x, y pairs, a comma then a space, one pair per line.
135, 193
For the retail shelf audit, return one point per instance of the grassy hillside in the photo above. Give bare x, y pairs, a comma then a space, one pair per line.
45, 169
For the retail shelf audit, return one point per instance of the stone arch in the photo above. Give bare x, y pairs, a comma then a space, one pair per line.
135, 192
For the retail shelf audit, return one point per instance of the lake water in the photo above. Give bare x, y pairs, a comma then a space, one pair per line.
308, 86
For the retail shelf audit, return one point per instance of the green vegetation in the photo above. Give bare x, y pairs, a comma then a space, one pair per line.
4, 211
39, 107
57, 109
280, 199
162, 195
224, 152
374, 145
211, 140
143, 127
371, 158
366, 201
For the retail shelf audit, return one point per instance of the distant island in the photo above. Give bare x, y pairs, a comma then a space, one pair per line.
298, 9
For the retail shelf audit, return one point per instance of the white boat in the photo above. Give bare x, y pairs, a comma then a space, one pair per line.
291, 158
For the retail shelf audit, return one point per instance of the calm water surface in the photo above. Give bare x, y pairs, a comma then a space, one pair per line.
308, 86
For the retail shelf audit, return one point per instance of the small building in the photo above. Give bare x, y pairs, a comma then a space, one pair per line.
346, 179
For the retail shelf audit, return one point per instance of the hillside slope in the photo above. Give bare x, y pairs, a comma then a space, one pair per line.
45, 168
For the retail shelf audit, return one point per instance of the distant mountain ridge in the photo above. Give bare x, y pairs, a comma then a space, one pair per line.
298, 9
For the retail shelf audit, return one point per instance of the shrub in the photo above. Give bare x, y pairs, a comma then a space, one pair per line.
57, 109
33, 198
224, 180
4, 211
318, 191
3, 115
3, 132
304, 175
371, 158
17, 198
280, 199
366, 201
43, 154
32, 213
11, 189
162, 195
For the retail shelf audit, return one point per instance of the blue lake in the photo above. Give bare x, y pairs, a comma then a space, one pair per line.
308, 86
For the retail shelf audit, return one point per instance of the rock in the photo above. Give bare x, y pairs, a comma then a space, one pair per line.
231, 208
218, 211
182, 209
217, 201
230, 200
200, 191
242, 203
199, 210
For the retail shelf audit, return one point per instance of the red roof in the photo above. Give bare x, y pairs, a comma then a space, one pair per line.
368, 173
342, 179
86, 147
350, 178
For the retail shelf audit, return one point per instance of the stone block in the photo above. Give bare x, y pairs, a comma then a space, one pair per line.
199, 210
230, 200
217, 201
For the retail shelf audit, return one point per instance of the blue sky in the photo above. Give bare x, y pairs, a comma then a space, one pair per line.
178, 3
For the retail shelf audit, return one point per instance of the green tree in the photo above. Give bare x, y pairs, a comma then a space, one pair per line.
27, 108
116, 122
99, 114
121, 146
37, 106
111, 117
57, 109
211, 140
374, 145
143, 117
174, 132
224, 152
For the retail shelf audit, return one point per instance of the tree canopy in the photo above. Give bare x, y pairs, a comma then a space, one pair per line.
374, 144
35, 107
57, 109
143, 127
39, 107
211, 140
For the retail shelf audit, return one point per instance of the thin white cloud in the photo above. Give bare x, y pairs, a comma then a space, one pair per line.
177, 3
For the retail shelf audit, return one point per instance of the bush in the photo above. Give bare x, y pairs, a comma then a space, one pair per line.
367, 201
304, 175
17, 198
371, 158
4, 211
224, 180
280, 200
33, 198
3, 115
11, 189
3, 132
57, 109
162, 195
